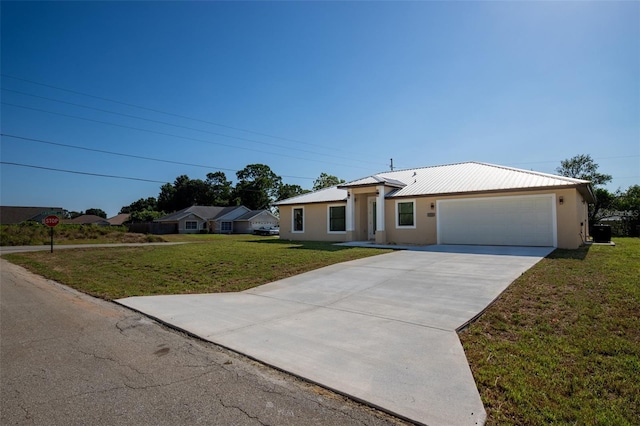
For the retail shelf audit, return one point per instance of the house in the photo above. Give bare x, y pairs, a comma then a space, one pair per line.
218, 220
87, 219
464, 203
255, 219
119, 219
13, 215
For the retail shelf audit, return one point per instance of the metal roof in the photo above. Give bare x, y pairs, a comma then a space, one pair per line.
332, 193
449, 179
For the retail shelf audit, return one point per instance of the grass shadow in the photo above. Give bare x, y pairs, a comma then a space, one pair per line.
578, 254
302, 245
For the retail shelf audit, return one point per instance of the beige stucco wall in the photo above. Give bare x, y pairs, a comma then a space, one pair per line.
569, 216
315, 223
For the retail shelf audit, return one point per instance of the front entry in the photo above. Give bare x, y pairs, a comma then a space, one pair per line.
372, 217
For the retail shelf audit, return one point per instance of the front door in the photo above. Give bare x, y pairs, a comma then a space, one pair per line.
372, 217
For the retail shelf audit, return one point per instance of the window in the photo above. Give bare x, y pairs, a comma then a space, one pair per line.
337, 219
405, 214
226, 226
191, 224
298, 219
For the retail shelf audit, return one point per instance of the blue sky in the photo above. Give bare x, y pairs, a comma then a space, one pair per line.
309, 87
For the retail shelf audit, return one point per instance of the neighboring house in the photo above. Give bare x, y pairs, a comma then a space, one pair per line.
465, 203
87, 219
218, 220
119, 219
255, 219
13, 215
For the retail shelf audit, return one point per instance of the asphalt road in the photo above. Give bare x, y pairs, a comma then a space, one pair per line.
70, 359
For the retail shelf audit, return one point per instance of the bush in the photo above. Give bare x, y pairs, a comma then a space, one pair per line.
31, 233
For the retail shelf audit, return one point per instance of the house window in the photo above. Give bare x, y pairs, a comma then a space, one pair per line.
226, 226
337, 218
191, 225
406, 214
298, 219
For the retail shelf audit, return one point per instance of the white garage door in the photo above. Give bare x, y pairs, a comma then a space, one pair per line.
505, 221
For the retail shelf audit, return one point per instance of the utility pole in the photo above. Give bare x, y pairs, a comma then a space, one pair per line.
391, 164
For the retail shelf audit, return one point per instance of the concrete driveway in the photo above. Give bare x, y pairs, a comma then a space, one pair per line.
381, 329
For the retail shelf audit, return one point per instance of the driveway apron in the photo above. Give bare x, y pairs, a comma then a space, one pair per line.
381, 329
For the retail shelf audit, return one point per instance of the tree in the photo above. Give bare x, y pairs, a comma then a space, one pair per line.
627, 204
72, 214
287, 191
184, 192
142, 204
604, 202
325, 181
257, 186
220, 189
583, 167
145, 215
97, 212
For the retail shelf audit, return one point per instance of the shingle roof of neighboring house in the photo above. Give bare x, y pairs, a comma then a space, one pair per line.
87, 219
448, 179
251, 214
11, 215
119, 219
203, 212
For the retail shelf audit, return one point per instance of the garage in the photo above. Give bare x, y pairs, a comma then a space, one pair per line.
528, 220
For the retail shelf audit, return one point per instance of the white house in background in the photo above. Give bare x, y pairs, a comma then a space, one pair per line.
218, 220
464, 203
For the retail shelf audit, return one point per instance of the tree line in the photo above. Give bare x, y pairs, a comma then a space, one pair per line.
623, 205
257, 187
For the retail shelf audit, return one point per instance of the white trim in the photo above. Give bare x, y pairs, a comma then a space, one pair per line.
186, 225
554, 216
415, 218
380, 208
293, 228
329, 231
350, 211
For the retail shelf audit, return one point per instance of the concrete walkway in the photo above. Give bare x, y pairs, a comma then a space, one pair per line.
381, 329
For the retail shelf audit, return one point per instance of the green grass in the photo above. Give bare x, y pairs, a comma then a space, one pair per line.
218, 264
29, 234
562, 344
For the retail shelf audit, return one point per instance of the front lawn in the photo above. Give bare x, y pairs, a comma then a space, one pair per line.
218, 263
562, 344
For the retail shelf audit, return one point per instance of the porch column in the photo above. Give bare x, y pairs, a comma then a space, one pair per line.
381, 234
349, 213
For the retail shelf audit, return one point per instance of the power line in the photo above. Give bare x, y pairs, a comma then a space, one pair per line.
177, 125
81, 173
174, 136
173, 114
101, 175
130, 155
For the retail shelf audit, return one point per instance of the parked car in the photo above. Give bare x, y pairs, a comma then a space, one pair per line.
267, 230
